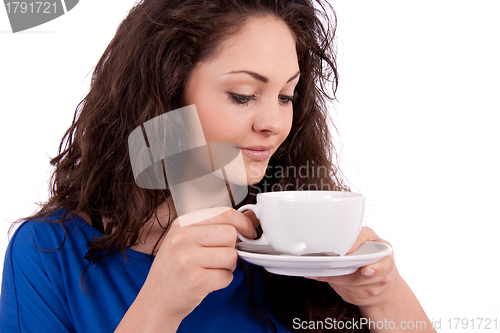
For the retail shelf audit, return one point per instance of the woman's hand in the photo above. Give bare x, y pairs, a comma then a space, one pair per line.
192, 262
370, 285
197, 259
381, 293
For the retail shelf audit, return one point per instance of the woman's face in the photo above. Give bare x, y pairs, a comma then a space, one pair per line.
244, 92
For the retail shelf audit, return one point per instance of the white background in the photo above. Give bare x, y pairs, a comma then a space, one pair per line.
417, 115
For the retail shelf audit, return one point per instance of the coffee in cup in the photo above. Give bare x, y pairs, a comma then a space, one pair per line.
303, 222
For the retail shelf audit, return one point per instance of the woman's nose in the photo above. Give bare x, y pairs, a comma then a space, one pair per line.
271, 118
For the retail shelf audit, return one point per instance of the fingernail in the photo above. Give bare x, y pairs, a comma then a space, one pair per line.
369, 272
254, 234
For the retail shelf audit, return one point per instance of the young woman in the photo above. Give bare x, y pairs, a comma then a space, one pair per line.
104, 254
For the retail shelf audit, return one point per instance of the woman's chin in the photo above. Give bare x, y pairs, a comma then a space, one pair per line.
254, 180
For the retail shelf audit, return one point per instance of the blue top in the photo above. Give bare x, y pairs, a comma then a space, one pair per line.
42, 291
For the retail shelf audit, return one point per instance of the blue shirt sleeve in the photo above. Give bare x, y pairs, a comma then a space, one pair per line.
29, 302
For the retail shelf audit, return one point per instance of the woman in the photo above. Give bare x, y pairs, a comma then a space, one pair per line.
259, 73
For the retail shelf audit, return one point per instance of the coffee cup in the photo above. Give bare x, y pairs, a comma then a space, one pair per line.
304, 222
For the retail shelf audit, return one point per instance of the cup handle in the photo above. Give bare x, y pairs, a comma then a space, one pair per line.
262, 240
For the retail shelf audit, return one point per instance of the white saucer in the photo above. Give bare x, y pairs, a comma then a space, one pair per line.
367, 253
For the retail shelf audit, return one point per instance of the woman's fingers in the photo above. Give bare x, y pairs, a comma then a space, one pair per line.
218, 258
219, 278
366, 234
251, 215
238, 220
364, 276
197, 257
212, 235
381, 267
369, 284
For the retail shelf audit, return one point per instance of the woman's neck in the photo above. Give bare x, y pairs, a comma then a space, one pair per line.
189, 199
151, 232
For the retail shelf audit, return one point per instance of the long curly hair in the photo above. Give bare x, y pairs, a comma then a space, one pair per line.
142, 74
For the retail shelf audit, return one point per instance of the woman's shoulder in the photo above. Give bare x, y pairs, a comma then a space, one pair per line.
50, 233
42, 269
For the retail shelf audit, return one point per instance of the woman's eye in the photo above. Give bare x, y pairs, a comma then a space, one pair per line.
245, 99
241, 99
285, 99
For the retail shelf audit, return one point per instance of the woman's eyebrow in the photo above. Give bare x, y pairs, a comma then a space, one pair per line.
262, 78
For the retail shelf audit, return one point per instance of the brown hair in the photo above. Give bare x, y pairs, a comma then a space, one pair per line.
142, 74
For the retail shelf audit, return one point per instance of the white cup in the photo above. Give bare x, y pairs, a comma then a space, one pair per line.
304, 222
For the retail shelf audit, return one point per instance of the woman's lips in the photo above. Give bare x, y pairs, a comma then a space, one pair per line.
257, 153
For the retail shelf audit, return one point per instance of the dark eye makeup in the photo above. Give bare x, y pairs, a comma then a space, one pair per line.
246, 99
241, 99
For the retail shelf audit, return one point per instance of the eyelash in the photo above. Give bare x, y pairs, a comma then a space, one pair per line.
240, 99
287, 99
245, 100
